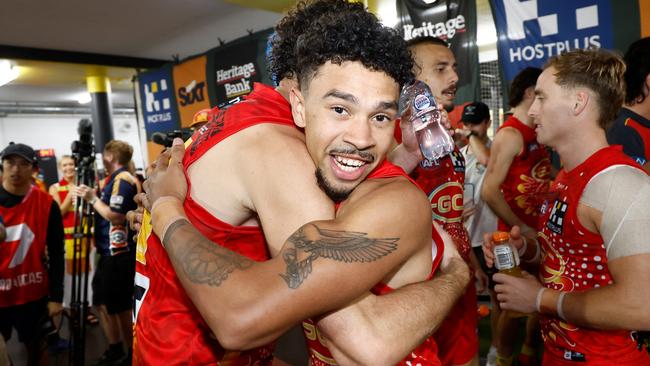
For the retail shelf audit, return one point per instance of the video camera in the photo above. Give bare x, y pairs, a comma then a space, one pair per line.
166, 139
83, 150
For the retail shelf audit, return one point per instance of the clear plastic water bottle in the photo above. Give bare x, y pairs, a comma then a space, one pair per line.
418, 106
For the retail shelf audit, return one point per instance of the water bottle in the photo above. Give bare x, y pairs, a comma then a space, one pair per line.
418, 106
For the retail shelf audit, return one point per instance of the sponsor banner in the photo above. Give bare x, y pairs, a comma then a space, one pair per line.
158, 104
191, 88
234, 68
530, 32
453, 21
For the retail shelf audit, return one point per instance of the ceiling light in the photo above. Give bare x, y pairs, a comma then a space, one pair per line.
84, 98
8, 73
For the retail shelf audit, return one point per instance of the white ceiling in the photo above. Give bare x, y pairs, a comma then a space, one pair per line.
153, 29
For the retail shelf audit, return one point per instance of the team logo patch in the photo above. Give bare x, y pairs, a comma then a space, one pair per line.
556, 220
116, 200
447, 202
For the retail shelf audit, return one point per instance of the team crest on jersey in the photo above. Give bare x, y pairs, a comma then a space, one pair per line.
556, 220
426, 163
447, 203
458, 161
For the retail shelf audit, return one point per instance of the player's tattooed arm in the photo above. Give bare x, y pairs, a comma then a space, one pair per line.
205, 262
339, 245
202, 261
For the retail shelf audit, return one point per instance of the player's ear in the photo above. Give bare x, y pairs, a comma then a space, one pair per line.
581, 99
297, 101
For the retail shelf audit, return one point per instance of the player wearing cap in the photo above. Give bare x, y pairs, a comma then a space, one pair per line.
31, 256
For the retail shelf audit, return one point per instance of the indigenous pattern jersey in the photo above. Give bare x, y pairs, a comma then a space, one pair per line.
168, 328
443, 182
575, 259
23, 275
427, 353
118, 194
528, 178
633, 132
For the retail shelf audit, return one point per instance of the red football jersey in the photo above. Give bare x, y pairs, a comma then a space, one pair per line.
168, 328
427, 353
575, 259
443, 182
528, 178
23, 276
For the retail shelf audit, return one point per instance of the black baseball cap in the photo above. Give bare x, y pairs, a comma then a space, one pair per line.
475, 113
21, 150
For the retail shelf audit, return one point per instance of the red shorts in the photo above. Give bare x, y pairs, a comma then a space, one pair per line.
633, 358
457, 337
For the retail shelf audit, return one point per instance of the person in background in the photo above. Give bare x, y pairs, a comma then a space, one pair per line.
31, 255
113, 280
60, 192
518, 174
478, 218
632, 126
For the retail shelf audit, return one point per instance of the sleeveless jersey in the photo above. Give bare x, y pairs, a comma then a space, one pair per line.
443, 182
427, 353
528, 178
169, 329
644, 132
632, 131
23, 275
574, 259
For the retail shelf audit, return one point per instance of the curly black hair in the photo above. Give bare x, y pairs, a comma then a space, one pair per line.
282, 60
637, 60
352, 36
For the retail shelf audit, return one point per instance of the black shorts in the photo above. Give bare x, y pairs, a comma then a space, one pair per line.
488, 271
113, 282
29, 319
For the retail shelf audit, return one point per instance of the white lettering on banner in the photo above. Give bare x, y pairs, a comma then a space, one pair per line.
233, 90
21, 280
543, 51
235, 72
153, 104
23, 233
444, 30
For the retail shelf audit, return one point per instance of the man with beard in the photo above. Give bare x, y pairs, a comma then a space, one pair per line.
347, 104
442, 180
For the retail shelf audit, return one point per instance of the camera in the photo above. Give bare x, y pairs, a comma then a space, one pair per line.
83, 150
166, 139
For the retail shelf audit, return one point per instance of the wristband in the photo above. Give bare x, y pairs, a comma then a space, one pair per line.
172, 221
560, 311
521, 251
538, 299
163, 200
538, 251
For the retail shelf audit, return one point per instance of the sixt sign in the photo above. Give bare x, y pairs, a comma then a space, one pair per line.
530, 32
